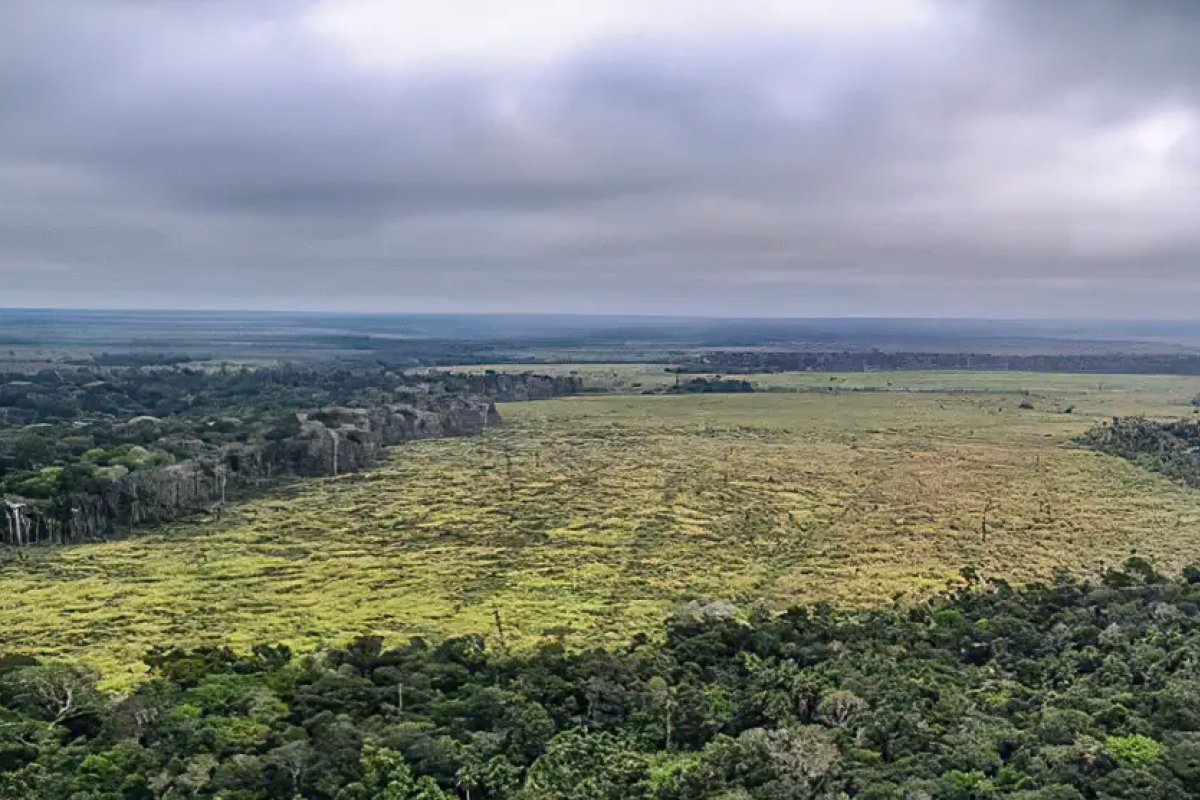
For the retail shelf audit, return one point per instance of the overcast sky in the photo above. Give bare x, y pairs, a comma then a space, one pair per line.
777, 157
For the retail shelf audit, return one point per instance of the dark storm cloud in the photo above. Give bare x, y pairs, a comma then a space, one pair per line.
941, 157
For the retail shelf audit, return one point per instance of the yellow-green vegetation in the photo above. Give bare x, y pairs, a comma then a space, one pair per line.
590, 517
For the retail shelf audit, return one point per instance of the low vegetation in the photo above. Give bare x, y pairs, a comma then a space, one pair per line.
1059, 691
585, 519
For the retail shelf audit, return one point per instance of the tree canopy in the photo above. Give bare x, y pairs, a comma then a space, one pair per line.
1066, 690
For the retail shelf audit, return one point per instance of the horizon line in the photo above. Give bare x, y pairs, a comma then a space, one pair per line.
579, 315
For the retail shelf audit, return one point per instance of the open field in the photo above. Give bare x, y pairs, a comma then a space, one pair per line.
1097, 394
590, 517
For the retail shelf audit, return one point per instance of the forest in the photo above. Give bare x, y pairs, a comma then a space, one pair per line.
91, 451
1061, 690
1171, 447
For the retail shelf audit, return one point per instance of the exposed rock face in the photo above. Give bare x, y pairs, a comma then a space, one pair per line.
332, 442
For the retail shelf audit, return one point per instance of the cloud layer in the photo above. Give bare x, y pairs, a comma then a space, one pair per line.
876, 157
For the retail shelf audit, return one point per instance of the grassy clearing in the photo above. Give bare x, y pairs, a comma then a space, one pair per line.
589, 517
1100, 394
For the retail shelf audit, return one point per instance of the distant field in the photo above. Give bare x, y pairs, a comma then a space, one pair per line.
1107, 394
589, 517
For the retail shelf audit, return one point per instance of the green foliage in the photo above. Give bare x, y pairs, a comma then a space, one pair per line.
715, 385
1169, 447
42, 484
1133, 751
69, 437
588, 519
129, 456
580, 765
811, 704
385, 776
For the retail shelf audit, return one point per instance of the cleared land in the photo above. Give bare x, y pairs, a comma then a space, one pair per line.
590, 517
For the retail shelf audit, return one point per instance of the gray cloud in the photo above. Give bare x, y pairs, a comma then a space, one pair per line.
977, 157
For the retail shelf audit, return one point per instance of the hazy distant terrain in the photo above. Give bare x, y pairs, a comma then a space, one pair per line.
34, 337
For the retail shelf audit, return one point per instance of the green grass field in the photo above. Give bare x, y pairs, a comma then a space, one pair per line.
591, 517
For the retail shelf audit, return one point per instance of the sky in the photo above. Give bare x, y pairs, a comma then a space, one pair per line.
929, 158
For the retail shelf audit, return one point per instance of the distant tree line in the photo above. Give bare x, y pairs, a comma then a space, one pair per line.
82, 394
714, 385
1070, 690
139, 359
739, 361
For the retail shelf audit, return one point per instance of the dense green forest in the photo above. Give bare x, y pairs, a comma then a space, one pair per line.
1061, 691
